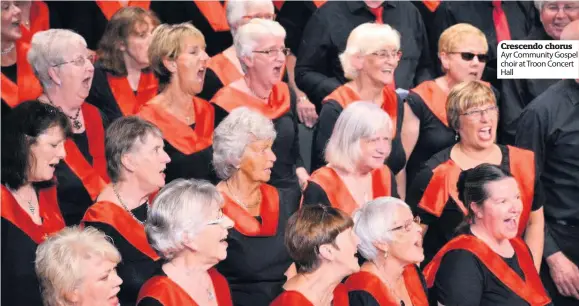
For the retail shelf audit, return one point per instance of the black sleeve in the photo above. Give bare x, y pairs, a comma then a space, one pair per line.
312, 70
55, 19
459, 280
149, 301
296, 152
331, 110
510, 107
531, 135
538, 195
211, 85
314, 194
105, 120
416, 191
442, 20
416, 104
293, 17
101, 96
394, 185
424, 69
220, 114
361, 298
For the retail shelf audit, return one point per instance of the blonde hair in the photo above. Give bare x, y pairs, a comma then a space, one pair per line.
61, 261
365, 39
359, 120
248, 36
466, 95
453, 37
166, 43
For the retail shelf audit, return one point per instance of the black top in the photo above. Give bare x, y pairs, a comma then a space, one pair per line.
197, 165
548, 124
12, 74
442, 229
135, 268
174, 12
318, 69
518, 93
73, 198
331, 110
521, 17
463, 279
211, 85
293, 17
255, 266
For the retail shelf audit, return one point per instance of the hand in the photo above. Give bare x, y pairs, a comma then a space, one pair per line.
306, 111
565, 274
303, 177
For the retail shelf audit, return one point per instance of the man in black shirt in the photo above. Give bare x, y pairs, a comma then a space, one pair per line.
318, 69
550, 127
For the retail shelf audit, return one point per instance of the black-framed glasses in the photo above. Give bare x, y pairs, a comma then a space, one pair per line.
476, 114
407, 226
79, 61
469, 56
274, 52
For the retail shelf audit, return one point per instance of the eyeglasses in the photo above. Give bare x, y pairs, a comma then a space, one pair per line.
469, 56
386, 54
262, 16
220, 218
274, 52
554, 8
79, 61
407, 226
477, 113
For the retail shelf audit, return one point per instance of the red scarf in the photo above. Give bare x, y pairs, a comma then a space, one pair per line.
230, 98
128, 102
28, 87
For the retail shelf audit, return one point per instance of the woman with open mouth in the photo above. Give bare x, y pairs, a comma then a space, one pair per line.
473, 113
136, 163
355, 174
487, 263
391, 242
371, 56
78, 267
33, 137
178, 59
322, 243
188, 229
462, 50
257, 259
19, 83
63, 65
261, 50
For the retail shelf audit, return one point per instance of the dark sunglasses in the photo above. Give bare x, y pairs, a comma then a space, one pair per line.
468, 56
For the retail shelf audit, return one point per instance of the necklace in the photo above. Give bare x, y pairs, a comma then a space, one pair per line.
125, 206
389, 286
9, 49
188, 272
75, 122
31, 207
238, 201
254, 93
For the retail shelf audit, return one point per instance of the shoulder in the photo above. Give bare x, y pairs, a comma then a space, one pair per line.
439, 158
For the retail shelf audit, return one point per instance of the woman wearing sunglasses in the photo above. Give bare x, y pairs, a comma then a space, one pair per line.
425, 131
391, 242
473, 113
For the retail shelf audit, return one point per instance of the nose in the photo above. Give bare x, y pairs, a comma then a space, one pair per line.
271, 156
17, 10
165, 158
61, 153
204, 56
227, 222
116, 279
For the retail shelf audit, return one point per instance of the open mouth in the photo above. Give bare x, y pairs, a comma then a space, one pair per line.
87, 82
418, 243
277, 70
201, 73
511, 223
485, 133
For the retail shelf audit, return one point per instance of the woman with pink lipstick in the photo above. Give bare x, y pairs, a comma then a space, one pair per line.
18, 80
257, 259
371, 56
472, 112
77, 267
462, 50
322, 243
178, 59
135, 163
260, 47
188, 229
63, 65
33, 137
487, 263
391, 242
360, 143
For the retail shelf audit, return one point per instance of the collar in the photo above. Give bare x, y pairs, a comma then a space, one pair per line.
355, 6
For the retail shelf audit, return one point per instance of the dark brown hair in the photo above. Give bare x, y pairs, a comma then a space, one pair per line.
311, 227
123, 24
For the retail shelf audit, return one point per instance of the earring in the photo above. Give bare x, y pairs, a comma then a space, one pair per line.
456, 137
385, 254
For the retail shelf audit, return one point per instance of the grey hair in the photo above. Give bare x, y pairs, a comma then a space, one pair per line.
236, 9
539, 4
250, 34
359, 120
180, 209
49, 48
121, 138
372, 221
240, 128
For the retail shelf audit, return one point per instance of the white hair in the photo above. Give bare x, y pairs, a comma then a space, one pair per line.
372, 222
49, 48
236, 9
359, 120
181, 207
249, 35
240, 128
539, 4
365, 39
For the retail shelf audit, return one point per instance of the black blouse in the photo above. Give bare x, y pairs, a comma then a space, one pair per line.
12, 74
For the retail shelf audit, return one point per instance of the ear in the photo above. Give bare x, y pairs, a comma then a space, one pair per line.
381, 246
190, 242
357, 61
53, 74
72, 297
477, 210
128, 162
327, 252
121, 46
170, 64
444, 60
247, 61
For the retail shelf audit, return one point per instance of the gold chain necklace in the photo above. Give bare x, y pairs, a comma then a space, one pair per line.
238, 201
